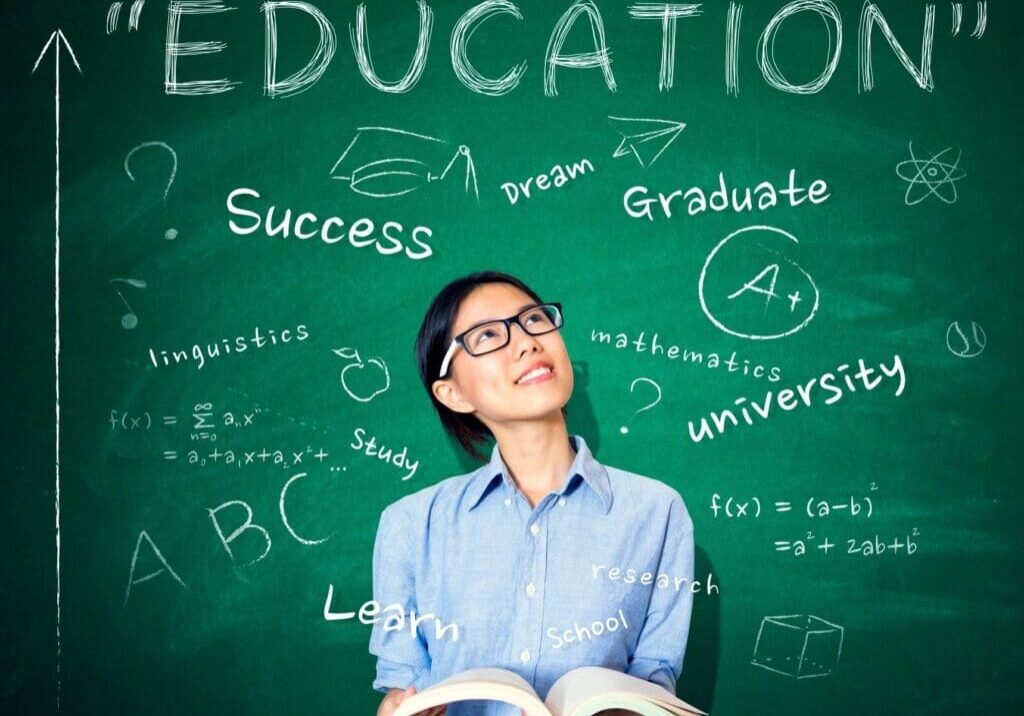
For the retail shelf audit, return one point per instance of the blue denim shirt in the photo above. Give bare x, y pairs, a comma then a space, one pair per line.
597, 574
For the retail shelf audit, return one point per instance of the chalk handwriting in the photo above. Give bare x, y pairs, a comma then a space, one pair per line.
578, 634
659, 580
622, 341
386, 238
395, 621
557, 177
815, 508
827, 383
905, 545
199, 353
370, 449
229, 527
696, 200
581, 17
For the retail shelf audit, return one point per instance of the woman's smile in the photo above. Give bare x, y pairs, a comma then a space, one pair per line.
537, 375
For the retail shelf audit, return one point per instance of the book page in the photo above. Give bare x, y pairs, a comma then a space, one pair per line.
486, 683
571, 694
630, 704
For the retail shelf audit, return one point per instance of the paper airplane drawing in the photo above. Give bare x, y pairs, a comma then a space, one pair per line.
384, 162
645, 139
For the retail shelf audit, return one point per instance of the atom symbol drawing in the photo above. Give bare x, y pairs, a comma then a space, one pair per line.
936, 176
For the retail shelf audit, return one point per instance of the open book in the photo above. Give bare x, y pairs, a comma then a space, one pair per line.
581, 692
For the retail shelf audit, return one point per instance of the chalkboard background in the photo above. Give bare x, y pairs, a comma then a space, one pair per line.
916, 241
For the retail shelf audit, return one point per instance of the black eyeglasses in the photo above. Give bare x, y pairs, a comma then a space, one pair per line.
495, 335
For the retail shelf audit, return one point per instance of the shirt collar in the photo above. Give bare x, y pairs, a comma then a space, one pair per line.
584, 466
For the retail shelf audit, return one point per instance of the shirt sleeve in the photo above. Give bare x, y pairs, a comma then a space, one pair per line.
402, 658
660, 648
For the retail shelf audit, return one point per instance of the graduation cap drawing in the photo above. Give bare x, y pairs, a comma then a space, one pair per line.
645, 139
384, 162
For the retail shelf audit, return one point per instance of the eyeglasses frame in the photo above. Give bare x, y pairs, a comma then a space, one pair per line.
460, 340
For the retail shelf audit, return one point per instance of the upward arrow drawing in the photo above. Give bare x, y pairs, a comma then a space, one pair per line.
646, 139
56, 40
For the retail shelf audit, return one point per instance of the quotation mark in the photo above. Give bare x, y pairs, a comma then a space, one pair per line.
114, 11
979, 27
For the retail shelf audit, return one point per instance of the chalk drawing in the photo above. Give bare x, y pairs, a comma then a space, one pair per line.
931, 177
645, 139
799, 645
384, 162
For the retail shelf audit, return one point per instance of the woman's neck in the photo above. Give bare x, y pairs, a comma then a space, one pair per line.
538, 456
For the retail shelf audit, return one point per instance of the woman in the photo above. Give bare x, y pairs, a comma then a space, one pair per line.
528, 554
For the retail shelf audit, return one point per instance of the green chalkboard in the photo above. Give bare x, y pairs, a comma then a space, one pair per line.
787, 242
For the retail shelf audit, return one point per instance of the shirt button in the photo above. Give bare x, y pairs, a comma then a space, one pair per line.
531, 589
508, 501
525, 656
534, 529
561, 502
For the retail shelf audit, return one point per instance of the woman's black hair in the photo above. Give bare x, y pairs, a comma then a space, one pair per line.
432, 341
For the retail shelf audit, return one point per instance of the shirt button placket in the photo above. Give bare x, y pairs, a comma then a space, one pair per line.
525, 618
534, 589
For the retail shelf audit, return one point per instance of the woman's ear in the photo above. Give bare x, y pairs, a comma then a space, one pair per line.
449, 395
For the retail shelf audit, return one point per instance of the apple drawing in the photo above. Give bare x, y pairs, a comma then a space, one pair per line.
361, 382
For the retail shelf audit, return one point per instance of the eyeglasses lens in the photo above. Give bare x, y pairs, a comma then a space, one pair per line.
492, 336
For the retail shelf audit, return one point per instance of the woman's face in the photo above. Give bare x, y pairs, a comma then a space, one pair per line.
487, 384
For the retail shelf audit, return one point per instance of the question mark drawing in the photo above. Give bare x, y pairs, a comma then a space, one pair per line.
170, 233
657, 400
128, 320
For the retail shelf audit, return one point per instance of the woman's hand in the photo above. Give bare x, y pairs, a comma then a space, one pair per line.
395, 697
